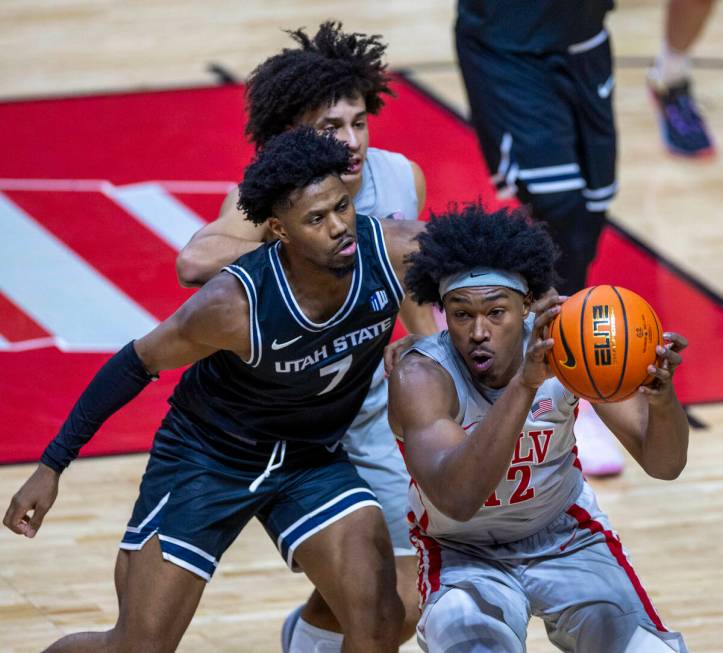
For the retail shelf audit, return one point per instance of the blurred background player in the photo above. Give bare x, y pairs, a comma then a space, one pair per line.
539, 80
682, 128
505, 525
332, 81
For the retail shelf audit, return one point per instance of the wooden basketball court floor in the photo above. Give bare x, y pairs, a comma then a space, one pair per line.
61, 581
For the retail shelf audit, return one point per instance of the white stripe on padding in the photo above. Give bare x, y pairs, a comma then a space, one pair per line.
136, 547
323, 525
186, 565
600, 193
556, 186
584, 46
331, 502
190, 547
58, 289
549, 171
595, 207
159, 211
151, 515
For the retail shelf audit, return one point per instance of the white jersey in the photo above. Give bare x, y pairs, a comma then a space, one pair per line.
387, 186
544, 476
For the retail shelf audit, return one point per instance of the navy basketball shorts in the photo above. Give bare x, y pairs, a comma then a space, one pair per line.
197, 504
544, 121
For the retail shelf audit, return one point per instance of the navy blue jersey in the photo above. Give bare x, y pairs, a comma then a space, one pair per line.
303, 381
536, 26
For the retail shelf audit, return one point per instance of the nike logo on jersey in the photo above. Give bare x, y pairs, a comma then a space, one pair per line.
604, 89
280, 345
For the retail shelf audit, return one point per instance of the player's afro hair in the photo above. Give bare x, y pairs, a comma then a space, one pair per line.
325, 68
292, 160
461, 239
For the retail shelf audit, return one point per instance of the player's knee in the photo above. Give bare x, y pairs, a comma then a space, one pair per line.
375, 611
457, 622
590, 624
142, 633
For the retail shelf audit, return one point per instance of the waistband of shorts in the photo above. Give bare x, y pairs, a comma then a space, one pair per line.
180, 437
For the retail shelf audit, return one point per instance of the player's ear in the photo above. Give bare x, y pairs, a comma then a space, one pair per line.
526, 304
277, 229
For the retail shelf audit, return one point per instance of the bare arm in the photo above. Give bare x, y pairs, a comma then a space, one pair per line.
652, 425
214, 318
420, 186
399, 238
218, 243
459, 471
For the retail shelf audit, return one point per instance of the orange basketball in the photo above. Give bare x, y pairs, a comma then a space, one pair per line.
605, 338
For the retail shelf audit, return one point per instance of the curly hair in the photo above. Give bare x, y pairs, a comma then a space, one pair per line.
292, 160
325, 68
461, 239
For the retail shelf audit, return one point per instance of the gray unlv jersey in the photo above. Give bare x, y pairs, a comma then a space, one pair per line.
544, 476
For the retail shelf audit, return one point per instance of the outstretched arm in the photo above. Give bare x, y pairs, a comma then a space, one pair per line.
652, 425
214, 318
218, 243
458, 471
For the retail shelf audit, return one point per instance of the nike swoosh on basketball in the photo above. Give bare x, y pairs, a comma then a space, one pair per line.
280, 345
570, 362
604, 89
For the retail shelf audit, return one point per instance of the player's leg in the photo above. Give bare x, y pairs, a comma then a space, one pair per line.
327, 522
157, 603
372, 449
482, 610
190, 508
682, 127
590, 597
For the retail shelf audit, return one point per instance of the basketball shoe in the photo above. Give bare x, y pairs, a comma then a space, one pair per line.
682, 128
597, 448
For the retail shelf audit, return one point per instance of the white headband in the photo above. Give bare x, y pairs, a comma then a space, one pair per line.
482, 276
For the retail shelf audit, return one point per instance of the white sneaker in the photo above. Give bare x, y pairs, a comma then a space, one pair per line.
287, 630
597, 448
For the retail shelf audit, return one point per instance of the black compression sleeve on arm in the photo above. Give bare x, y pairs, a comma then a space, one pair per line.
115, 384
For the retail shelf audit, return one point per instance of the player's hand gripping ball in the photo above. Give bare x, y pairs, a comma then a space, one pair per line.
605, 339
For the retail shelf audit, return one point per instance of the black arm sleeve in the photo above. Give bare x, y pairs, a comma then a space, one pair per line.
115, 384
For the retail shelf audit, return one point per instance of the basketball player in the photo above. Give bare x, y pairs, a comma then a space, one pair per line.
283, 345
332, 82
504, 523
683, 129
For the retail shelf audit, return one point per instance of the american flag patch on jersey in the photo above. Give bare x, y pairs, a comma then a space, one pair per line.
379, 300
541, 407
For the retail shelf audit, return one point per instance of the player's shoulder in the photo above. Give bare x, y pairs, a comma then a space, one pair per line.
222, 296
416, 369
377, 154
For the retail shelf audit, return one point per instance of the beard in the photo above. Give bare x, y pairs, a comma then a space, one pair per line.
342, 272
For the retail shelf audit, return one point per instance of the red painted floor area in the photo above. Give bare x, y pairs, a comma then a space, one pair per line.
197, 135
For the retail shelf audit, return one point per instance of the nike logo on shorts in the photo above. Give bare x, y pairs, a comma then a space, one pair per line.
604, 89
280, 345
